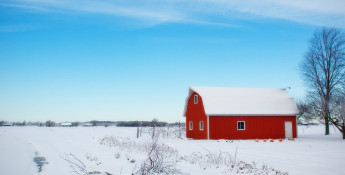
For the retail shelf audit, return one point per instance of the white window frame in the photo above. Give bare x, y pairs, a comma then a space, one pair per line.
190, 124
201, 125
244, 125
195, 99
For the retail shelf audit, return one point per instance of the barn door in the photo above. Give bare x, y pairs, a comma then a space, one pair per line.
288, 129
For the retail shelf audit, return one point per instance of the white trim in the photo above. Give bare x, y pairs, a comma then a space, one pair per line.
243, 125
190, 128
296, 129
195, 99
208, 127
201, 128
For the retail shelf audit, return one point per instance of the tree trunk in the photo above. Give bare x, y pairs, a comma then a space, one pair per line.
327, 117
343, 129
326, 126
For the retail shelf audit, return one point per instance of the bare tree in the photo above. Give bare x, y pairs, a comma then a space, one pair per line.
94, 123
75, 124
303, 108
50, 123
154, 122
323, 68
306, 111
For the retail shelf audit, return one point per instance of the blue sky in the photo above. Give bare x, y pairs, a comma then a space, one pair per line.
134, 60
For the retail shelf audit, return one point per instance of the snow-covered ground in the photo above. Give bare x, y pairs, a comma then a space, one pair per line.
116, 150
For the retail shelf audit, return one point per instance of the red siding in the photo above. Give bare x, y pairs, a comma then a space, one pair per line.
256, 127
196, 113
225, 127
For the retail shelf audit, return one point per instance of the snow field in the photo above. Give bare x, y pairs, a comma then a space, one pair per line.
311, 153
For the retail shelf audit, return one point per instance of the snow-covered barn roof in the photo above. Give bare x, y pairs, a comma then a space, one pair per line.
244, 101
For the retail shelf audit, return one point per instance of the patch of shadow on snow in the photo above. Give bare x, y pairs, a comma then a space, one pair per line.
40, 162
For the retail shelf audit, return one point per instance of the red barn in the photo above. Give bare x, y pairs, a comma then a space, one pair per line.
240, 113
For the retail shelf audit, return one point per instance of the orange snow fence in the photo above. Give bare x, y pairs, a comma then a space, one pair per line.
265, 140
292, 139
271, 140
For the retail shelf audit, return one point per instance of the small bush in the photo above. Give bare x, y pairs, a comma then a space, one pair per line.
160, 159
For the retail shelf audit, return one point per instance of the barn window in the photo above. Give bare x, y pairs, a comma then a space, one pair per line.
201, 125
241, 125
190, 125
195, 99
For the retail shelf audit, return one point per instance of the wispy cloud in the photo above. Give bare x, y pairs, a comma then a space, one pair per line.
17, 28
318, 12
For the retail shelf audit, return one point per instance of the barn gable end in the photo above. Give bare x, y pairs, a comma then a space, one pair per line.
196, 114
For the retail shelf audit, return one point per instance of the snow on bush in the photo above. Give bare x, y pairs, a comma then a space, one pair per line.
228, 162
123, 144
159, 158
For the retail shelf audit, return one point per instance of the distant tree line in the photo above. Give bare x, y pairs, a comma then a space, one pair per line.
102, 123
5, 123
153, 123
50, 123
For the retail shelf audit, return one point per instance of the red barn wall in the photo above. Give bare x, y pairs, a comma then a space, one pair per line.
196, 113
256, 127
